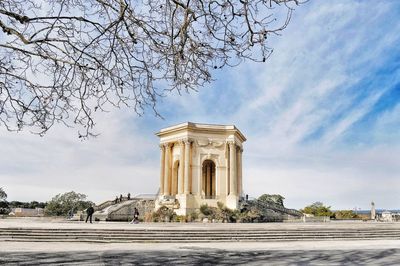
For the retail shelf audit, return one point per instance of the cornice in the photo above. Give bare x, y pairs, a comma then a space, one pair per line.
204, 128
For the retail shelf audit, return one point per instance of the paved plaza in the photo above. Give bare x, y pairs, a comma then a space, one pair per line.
333, 252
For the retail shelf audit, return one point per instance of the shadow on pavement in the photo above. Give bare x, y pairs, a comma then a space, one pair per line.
206, 257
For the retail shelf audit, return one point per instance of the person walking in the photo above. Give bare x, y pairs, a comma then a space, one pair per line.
116, 200
120, 198
129, 196
135, 219
89, 212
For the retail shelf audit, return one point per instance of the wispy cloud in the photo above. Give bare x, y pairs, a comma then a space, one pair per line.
321, 117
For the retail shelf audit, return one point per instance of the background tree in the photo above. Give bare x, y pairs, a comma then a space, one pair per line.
62, 204
272, 198
29, 205
63, 60
4, 207
318, 209
3, 194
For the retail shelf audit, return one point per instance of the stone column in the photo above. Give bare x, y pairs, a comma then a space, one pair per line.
187, 167
239, 171
162, 169
181, 166
232, 169
167, 169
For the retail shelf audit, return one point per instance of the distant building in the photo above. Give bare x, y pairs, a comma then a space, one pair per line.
387, 216
25, 212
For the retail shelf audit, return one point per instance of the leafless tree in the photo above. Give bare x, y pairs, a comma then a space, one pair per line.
63, 60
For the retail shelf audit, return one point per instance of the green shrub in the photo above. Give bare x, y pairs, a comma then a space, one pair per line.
207, 210
249, 216
193, 216
318, 209
179, 218
346, 214
163, 214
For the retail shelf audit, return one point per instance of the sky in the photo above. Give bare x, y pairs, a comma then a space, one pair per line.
321, 117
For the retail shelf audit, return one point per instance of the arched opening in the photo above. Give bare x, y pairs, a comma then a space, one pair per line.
175, 174
209, 181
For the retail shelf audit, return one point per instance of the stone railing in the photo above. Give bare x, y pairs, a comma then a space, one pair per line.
103, 205
276, 207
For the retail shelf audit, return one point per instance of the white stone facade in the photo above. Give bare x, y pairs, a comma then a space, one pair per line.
200, 164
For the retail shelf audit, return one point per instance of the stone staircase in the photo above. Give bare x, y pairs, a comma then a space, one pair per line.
148, 235
123, 211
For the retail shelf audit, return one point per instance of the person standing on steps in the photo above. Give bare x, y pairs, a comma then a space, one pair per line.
89, 212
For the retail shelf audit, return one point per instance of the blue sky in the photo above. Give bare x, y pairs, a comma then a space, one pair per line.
322, 118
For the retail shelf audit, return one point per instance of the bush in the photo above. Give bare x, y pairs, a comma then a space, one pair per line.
249, 216
221, 213
318, 209
179, 218
346, 214
163, 214
207, 210
193, 216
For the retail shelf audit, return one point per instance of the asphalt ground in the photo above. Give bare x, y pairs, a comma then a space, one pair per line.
328, 252
205, 256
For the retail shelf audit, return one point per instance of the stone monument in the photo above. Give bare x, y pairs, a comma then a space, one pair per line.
373, 212
200, 164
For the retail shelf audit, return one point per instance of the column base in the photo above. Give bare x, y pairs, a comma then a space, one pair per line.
167, 201
186, 204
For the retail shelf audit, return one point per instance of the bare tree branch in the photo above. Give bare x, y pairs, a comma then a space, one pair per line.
63, 60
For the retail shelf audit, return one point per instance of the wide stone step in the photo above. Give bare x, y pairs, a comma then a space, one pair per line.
193, 231
140, 235
151, 240
194, 235
173, 238
191, 237
141, 232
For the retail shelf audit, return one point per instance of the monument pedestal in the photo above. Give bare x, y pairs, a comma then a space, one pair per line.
185, 204
232, 202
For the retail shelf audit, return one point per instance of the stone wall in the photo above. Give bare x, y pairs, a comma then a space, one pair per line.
125, 213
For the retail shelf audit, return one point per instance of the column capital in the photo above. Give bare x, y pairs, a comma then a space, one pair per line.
181, 142
166, 144
231, 143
